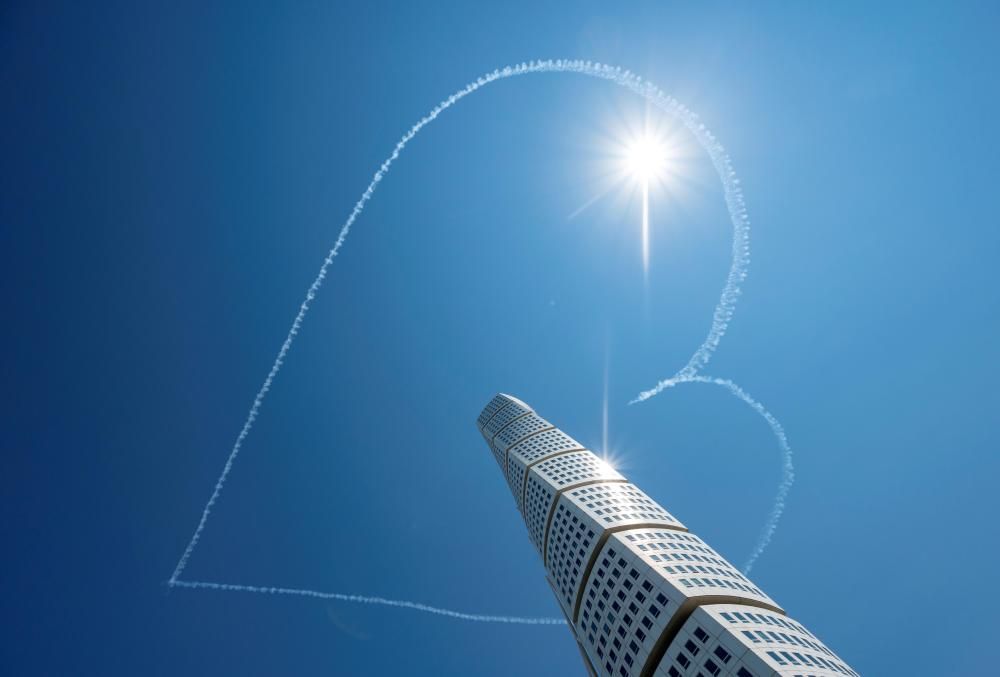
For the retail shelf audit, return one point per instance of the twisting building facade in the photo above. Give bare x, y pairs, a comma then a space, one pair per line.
642, 594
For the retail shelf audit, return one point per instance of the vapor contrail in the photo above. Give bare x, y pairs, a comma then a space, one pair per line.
720, 321
365, 599
787, 469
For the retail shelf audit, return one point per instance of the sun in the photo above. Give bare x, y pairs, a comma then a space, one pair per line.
646, 158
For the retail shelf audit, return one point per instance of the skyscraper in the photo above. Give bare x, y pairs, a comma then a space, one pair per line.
642, 594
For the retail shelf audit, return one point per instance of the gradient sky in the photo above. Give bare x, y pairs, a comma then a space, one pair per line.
173, 176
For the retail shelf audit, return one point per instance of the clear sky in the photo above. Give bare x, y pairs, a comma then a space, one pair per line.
171, 178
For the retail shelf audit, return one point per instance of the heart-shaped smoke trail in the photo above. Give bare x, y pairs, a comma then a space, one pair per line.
690, 373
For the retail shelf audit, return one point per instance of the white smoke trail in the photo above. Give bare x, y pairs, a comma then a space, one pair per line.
720, 321
787, 469
364, 599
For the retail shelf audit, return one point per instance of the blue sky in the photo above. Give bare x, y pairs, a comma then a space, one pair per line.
173, 176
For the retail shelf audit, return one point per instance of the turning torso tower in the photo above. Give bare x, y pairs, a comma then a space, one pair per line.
642, 594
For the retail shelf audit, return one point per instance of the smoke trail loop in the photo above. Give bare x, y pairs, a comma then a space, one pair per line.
720, 319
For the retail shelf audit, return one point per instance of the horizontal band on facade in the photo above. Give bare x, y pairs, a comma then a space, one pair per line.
505, 425
527, 472
681, 616
599, 546
506, 452
555, 502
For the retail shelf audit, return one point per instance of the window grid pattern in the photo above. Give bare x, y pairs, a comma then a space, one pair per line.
573, 468
543, 444
496, 404
692, 566
519, 429
697, 650
625, 608
711, 644
530, 450
515, 479
500, 455
618, 503
779, 640
572, 538
537, 503
505, 416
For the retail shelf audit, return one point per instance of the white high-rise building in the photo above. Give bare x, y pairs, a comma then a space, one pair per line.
642, 594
